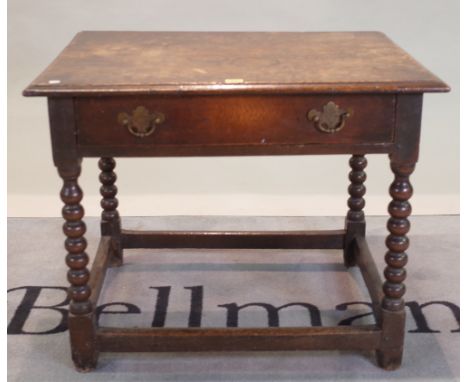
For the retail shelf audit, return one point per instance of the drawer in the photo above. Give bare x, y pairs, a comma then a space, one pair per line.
253, 120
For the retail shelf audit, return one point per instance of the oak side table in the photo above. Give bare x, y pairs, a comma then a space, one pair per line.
167, 94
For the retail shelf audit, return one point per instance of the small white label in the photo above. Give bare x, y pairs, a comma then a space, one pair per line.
54, 82
234, 81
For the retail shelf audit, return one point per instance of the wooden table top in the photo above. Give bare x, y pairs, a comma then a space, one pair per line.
103, 63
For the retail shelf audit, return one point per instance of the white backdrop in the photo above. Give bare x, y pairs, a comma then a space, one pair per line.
38, 31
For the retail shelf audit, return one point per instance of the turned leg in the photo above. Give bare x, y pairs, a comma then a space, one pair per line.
393, 306
81, 320
110, 219
355, 223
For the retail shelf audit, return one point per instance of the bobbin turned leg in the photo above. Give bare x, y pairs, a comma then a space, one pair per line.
393, 306
355, 223
110, 219
81, 321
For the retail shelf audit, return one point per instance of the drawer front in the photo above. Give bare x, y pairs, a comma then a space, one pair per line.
254, 120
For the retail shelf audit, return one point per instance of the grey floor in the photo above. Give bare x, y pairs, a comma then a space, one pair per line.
278, 277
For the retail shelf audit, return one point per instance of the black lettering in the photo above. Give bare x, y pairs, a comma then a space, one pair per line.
27, 304
196, 306
416, 310
130, 309
273, 316
348, 321
162, 302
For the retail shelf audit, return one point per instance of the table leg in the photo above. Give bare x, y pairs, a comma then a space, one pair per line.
81, 320
110, 218
355, 223
393, 306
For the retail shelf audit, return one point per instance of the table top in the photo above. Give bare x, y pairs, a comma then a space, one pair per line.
104, 62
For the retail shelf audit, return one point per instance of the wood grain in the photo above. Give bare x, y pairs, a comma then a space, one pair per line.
331, 239
233, 120
364, 337
217, 62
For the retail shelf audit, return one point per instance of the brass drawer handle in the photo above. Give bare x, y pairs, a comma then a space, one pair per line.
331, 119
141, 123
